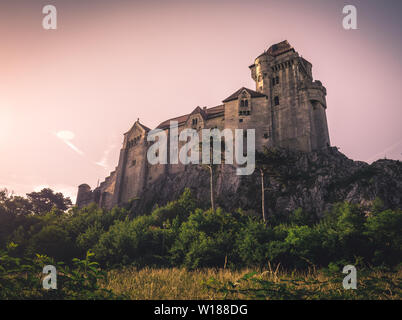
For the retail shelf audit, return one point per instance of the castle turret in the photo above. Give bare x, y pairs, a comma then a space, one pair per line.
84, 196
297, 104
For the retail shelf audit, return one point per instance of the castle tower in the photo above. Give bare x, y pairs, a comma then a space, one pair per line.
297, 103
132, 168
84, 195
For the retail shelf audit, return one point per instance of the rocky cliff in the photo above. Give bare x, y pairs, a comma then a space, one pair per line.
311, 181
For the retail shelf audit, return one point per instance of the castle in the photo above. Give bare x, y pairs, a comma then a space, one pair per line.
287, 110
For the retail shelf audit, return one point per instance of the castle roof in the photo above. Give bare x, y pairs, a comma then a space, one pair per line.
138, 123
277, 49
200, 111
207, 113
252, 93
143, 127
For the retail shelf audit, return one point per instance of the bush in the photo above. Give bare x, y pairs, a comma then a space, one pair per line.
206, 239
21, 279
253, 243
53, 241
383, 230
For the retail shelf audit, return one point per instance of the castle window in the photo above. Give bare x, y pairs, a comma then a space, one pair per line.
277, 80
133, 163
276, 101
240, 120
243, 103
266, 135
244, 113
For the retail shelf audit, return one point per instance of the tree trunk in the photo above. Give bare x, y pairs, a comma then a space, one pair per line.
262, 195
211, 181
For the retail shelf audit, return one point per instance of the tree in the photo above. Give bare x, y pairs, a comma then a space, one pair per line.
44, 200
211, 185
262, 194
211, 167
267, 163
263, 168
54, 241
12, 204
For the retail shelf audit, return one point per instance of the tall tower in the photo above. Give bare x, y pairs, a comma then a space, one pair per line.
297, 103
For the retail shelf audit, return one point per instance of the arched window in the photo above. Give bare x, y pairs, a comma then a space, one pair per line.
276, 101
244, 103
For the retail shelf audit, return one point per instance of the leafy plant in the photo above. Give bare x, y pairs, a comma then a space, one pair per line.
21, 279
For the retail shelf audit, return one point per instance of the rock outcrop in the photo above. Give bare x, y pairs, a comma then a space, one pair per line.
312, 181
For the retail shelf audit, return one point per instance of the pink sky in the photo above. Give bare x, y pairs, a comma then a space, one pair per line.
68, 95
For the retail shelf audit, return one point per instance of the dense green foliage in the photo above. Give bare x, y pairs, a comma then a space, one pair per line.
181, 234
21, 278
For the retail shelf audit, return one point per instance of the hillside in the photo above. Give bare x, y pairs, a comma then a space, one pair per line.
311, 181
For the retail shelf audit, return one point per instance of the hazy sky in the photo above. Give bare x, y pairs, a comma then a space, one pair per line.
68, 95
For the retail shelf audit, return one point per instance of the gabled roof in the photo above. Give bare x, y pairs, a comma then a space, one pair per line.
211, 112
143, 127
207, 113
137, 123
252, 93
200, 111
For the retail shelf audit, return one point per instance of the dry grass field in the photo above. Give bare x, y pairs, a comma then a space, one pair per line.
212, 284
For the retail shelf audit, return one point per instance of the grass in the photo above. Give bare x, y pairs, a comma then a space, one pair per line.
213, 284
169, 283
